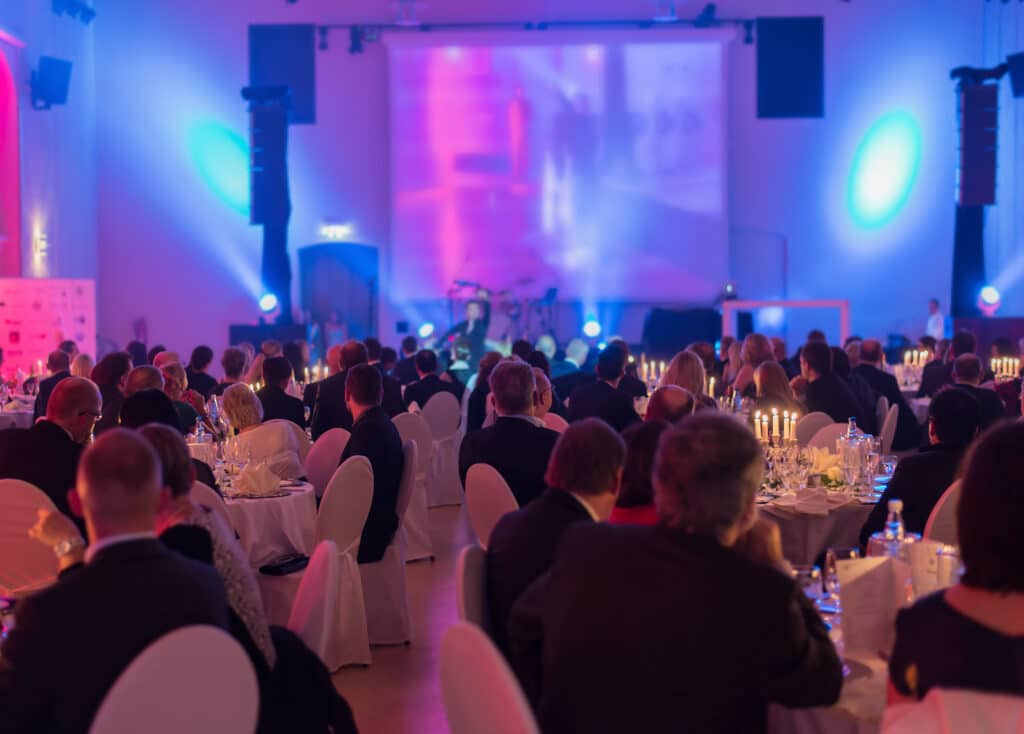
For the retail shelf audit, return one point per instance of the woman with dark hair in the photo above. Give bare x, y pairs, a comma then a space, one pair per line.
151, 354
635, 505
111, 375
972, 634
198, 379
477, 409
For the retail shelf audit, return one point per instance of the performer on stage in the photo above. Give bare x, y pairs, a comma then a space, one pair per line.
473, 329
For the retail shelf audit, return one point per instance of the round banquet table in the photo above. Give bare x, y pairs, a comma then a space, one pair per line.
806, 536
272, 527
858, 711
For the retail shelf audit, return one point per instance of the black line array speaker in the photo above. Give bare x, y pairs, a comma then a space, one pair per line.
50, 82
285, 55
979, 120
1016, 64
791, 67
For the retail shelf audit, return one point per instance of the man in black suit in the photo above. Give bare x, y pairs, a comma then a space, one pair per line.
277, 403
908, 432
584, 477
938, 374
825, 392
429, 383
375, 437
967, 374
603, 399
392, 403
58, 365
567, 374
198, 379
405, 368
47, 454
954, 417
73, 639
517, 445
641, 628
327, 397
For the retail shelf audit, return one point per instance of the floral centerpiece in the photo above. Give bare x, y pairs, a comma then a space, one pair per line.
826, 466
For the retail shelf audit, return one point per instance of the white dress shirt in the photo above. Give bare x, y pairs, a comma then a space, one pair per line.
936, 327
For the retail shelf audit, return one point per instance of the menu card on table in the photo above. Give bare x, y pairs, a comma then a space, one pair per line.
872, 590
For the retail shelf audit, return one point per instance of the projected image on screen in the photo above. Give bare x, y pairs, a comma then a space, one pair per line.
596, 169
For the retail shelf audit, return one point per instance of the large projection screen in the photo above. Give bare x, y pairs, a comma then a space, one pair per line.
537, 161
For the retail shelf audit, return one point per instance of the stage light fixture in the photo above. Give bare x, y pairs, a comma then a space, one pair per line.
592, 328
268, 302
990, 295
355, 40
426, 330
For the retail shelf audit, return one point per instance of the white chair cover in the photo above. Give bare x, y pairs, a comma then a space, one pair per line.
301, 438
488, 497
888, 429
479, 691
941, 525
204, 495
195, 679
471, 587
316, 607
881, 410
442, 416
464, 407
25, 564
324, 457
341, 518
950, 711
412, 427
384, 589
555, 422
827, 436
809, 425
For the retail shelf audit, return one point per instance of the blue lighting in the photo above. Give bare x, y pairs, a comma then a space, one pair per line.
592, 328
268, 302
990, 295
222, 157
884, 170
426, 330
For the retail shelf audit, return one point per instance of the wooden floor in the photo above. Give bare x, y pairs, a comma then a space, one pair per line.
400, 692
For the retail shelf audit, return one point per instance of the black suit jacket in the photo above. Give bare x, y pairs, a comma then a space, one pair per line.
648, 629
279, 405
113, 399
392, 403
908, 431
919, 481
375, 437
74, 639
522, 548
515, 447
476, 408
43, 396
992, 408
423, 390
405, 370
567, 384
328, 400
43, 455
633, 386
935, 376
603, 401
201, 382
831, 395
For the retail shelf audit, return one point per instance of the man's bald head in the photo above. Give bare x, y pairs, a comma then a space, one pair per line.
146, 377
119, 484
75, 405
871, 351
165, 358
669, 403
353, 353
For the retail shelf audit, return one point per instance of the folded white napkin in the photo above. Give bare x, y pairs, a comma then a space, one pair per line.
257, 481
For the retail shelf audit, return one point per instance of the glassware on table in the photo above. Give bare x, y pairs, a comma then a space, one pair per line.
832, 559
307, 412
808, 578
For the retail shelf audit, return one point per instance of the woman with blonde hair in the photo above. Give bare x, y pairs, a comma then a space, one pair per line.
773, 389
686, 370
81, 366
273, 443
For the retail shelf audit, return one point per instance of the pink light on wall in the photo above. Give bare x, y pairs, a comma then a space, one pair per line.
10, 177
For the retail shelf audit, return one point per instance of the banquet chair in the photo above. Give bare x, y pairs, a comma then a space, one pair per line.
479, 691
323, 458
206, 496
888, 432
464, 409
471, 587
340, 519
316, 602
951, 710
384, 587
941, 525
441, 414
301, 438
218, 696
881, 410
488, 498
7, 421
412, 427
809, 425
555, 422
25, 564
827, 436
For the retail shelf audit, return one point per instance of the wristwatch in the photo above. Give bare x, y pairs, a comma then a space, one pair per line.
68, 545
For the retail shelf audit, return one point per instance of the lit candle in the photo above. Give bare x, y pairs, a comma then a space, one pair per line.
307, 374
995, 366
757, 424
906, 358
785, 425
39, 367
711, 387
775, 422
764, 427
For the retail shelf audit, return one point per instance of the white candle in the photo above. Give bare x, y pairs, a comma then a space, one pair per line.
775, 422
711, 387
307, 374
785, 425
757, 424
906, 358
764, 427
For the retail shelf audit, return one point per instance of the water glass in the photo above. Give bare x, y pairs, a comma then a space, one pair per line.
888, 464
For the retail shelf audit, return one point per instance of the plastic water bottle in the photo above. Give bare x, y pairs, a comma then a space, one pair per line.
894, 530
851, 427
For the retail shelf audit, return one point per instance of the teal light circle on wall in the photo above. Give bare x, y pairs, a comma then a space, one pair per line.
884, 170
222, 158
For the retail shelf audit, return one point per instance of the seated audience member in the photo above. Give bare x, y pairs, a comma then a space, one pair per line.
278, 404
567, 374
583, 477
603, 399
954, 417
47, 454
632, 614
547, 346
630, 383
141, 378
733, 364
866, 398
175, 385
774, 390
70, 348
971, 636
273, 444
375, 437
165, 358
151, 354
82, 365
722, 358
392, 403
428, 384
521, 348
152, 406
538, 359
515, 445
388, 360
232, 361
405, 368
58, 365
73, 639
670, 403
852, 349
198, 364
635, 505
111, 376
458, 371
476, 413
755, 351
938, 373
706, 352
544, 402
967, 374
824, 391
884, 385
686, 371
327, 397
138, 352
297, 355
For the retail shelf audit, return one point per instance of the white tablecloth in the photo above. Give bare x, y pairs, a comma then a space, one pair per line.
273, 527
805, 537
920, 408
15, 419
859, 710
